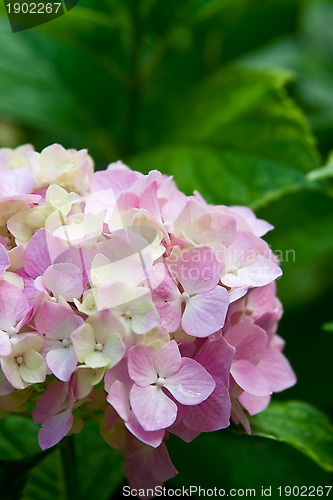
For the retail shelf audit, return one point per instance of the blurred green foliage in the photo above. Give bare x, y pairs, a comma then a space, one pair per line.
234, 98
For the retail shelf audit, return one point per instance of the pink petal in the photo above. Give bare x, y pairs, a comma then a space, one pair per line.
152, 438
167, 359
153, 409
249, 262
249, 340
80, 257
211, 415
4, 260
55, 428
16, 182
238, 416
40, 252
249, 378
205, 313
253, 404
5, 344
52, 401
185, 433
14, 306
141, 367
118, 372
55, 321
197, 222
277, 370
62, 362
247, 221
162, 467
12, 374
166, 297
149, 467
216, 357
192, 384
64, 280
118, 397
115, 179
126, 257
261, 272
197, 269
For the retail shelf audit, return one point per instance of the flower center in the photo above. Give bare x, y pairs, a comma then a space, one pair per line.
99, 346
128, 314
185, 297
160, 381
167, 226
19, 360
65, 342
11, 331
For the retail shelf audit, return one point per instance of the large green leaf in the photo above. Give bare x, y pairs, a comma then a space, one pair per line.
301, 426
237, 138
98, 466
308, 53
43, 100
18, 471
226, 460
54, 82
303, 240
18, 438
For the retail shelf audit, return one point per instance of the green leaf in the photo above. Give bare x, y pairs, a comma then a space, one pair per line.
99, 468
237, 138
303, 239
228, 460
46, 480
19, 454
56, 84
301, 426
43, 100
18, 472
328, 327
18, 438
308, 53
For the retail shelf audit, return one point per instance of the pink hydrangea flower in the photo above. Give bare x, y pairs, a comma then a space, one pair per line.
118, 384
56, 323
154, 371
14, 311
25, 365
205, 303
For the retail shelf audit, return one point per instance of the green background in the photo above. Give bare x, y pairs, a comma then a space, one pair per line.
235, 99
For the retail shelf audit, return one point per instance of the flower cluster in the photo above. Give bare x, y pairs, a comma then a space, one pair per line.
122, 297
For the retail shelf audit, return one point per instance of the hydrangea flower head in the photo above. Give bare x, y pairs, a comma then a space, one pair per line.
121, 295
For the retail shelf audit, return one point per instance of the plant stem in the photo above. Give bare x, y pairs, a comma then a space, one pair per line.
68, 460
